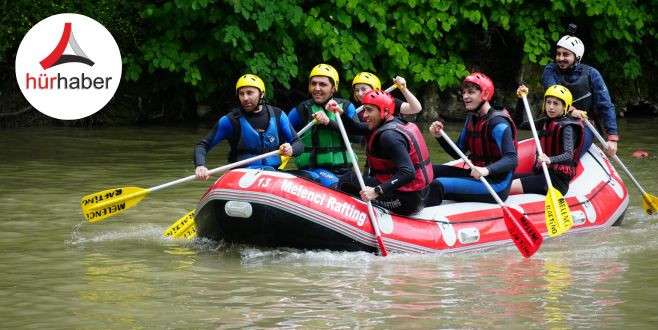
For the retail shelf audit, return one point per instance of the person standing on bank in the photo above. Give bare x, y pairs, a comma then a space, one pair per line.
324, 155
252, 129
590, 94
561, 138
398, 159
364, 82
489, 135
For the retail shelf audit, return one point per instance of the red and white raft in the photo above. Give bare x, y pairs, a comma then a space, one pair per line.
276, 209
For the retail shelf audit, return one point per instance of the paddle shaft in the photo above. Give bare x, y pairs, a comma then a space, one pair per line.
535, 136
605, 145
227, 166
355, 166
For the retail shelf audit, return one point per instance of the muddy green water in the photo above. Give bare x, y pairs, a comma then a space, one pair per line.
60, 272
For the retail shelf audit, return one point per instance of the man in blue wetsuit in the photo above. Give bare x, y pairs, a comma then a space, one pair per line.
489, 137
586, 84
252, 129
324, 155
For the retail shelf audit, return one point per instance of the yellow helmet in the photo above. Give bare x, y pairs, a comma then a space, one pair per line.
368, 79
325, 70
251, 81
561, 93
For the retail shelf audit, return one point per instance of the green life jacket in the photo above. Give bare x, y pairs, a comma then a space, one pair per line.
323, 146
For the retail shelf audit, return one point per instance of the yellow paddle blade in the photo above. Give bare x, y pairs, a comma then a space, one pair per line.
107, 203
558, 215
183, 227
284, 162
649, 203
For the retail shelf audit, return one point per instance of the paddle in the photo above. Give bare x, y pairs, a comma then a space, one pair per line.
524, 235
104, 204
355, 166
556, 209
185, 227
649, 202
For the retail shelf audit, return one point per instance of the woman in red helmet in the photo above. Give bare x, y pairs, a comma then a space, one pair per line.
400, 168
489, 137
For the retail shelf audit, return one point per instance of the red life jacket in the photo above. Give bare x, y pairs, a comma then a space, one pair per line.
479, 140
551, 143
383, 169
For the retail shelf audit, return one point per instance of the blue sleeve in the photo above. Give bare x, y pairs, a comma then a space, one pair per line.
549, 77
603, 103
222, 130
351, 112
289, 135
502, 135
295, 119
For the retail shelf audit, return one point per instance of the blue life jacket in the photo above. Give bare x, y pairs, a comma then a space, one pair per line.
247, 142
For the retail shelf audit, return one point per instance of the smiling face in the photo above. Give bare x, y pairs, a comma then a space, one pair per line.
371, 116
472, 97
564, 58
554, 107
249, 98
321, 89
359, 90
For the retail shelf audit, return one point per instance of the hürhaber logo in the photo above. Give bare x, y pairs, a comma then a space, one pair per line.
68, 66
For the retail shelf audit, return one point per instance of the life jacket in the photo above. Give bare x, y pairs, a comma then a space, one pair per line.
246, 142
323, 146
551, 143
479, 140
383, 169
581, 89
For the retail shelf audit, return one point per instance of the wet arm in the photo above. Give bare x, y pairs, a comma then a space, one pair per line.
502, 135
603, 104
289, 135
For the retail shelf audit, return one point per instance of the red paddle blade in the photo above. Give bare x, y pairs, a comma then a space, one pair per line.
524, 234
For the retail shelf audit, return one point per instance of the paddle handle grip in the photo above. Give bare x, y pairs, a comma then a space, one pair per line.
470, 164
605, 145
535, 136
355, 166
388, 90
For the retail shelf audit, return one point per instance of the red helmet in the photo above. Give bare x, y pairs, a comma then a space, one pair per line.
482, 81
382, 100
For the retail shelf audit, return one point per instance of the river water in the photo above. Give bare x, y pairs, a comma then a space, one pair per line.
60, 272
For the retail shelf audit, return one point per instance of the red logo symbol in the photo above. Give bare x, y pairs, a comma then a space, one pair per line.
58, 57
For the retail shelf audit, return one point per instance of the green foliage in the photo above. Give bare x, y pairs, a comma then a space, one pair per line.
205, 45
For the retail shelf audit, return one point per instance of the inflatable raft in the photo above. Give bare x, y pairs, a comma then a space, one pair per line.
277, 209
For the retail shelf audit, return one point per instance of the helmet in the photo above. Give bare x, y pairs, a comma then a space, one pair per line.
368, 79
325, 70
560, 92
250, 80
574, 45
482, 81
382, 100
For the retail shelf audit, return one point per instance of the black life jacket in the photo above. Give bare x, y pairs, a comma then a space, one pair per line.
551, 143
581, 89
479, 139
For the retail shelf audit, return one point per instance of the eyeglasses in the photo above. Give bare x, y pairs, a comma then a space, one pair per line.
362, 89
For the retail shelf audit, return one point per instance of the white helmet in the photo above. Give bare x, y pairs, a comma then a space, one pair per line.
574, 45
